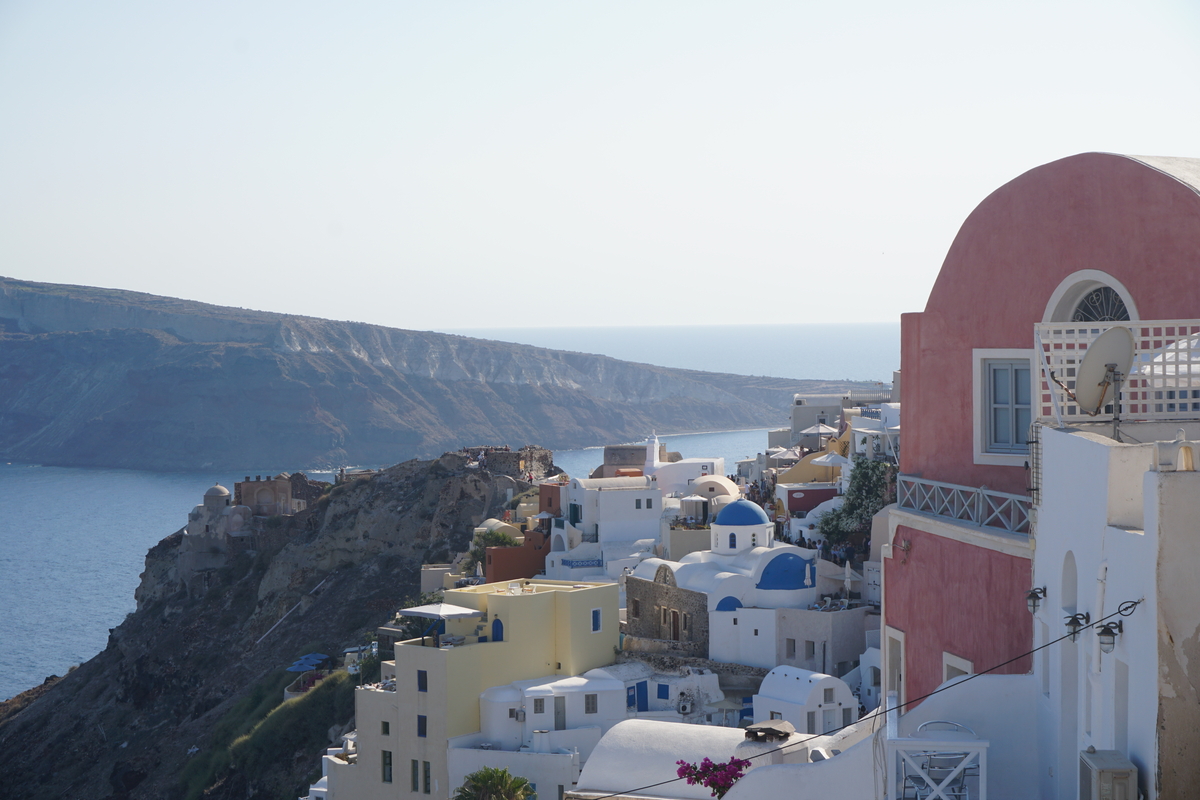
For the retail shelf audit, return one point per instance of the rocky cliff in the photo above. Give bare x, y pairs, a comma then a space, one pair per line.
148, 714
96, 377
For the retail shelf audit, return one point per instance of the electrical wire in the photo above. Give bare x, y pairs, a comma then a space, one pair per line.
1124, 609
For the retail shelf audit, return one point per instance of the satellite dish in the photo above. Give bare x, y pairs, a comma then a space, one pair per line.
1112, 352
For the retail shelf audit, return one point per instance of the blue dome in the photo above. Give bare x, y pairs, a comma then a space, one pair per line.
742, 512
785, 572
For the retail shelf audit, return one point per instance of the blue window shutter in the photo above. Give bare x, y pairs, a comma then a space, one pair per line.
664, 691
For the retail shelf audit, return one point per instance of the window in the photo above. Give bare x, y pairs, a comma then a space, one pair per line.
385, 728
595, 620
790, 645
664, 615
560, 792
735, 620
776, 715
422, 681
512, 713
812, 722
589, 703
733, 541
539, 705
387, 766
574, 513
847, 717
664, 691
954, 666
421, 725
756, 631
425, 769
635, 608
1007, 406
637, 503
649, 502
828, 696
416, 775
810, 649
687, 620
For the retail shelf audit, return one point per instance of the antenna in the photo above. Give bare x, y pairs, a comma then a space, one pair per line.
1105, 366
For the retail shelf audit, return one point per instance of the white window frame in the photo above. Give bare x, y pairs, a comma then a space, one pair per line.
981, 400
949, 660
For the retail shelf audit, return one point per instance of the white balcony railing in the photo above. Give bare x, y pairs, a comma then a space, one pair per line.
982, 507
1163, 383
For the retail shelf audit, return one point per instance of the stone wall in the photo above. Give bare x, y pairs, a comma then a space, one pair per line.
649, 613
502, 460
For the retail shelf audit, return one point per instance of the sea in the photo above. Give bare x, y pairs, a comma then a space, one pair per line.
73, 541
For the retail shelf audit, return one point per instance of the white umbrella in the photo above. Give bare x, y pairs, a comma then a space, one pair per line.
543, 515
820, 429
831, 460
692, 497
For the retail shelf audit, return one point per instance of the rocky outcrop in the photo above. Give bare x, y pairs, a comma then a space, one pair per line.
124, 724
93, 377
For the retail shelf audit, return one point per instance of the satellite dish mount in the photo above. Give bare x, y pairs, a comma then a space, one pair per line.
1105, 366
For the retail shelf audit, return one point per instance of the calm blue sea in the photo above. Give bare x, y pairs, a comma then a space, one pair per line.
859, 351
73, 544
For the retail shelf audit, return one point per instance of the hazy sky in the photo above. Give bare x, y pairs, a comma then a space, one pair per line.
453, 165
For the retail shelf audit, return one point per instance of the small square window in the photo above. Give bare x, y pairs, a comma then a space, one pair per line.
422, 681
539, 705
756, 631
829, 695
421, 728
776, 715
649, 502
637, 503
590, 704
385, 728
664, 691
512, 713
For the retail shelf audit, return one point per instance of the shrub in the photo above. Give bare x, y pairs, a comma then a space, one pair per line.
299, 724
872, 486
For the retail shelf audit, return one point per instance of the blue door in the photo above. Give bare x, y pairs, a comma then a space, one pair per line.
643, 696
497, 631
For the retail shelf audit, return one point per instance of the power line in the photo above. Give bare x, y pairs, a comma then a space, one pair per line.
1123, 610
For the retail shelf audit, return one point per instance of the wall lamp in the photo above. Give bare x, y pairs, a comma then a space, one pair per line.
1108, 635
1034, 598
1076, 623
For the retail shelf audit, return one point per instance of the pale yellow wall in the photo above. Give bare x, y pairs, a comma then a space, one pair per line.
805, 472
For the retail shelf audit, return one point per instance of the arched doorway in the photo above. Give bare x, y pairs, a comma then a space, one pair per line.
497, 631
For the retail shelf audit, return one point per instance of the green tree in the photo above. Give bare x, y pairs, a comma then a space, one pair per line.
477, 553
872, 486
493, 783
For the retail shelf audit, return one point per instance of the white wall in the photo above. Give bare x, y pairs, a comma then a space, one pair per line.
1109, 701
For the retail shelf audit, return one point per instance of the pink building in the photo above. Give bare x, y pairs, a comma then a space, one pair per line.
1094, 237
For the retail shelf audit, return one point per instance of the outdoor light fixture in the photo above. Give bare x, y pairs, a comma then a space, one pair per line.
1076, 623
1034, 598
1108, 635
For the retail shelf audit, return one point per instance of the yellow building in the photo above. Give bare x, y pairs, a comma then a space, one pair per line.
495, 634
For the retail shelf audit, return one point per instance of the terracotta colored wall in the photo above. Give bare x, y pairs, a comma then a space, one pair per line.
511, 563
811, 499
955, 597
549, 498
1091, 211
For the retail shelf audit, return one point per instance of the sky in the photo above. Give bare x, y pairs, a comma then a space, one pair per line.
469, 164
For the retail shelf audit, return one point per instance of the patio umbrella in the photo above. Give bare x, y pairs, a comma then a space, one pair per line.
543, 515
440, 611
820, 429
831, 460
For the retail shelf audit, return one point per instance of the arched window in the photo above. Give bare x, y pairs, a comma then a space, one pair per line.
733, 541
1101, 304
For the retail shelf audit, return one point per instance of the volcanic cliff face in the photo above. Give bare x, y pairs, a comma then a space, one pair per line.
122, 724
94, 377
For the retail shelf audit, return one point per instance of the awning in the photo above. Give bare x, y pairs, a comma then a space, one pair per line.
440, 611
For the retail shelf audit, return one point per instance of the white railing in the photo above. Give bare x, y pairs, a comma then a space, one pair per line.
943, 765
983, 507
1163, 383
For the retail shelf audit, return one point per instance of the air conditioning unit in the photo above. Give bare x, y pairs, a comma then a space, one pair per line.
1106, 775
685, 707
